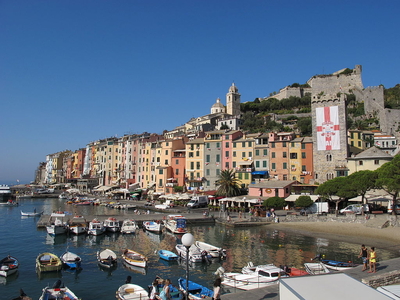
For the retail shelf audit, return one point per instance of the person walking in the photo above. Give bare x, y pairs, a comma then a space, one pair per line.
154, 290
364, 256
372, 260
217, 289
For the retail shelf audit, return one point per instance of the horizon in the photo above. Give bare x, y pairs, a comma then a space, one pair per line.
76, 72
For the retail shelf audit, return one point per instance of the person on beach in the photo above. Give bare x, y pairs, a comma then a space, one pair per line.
372, 260
217, 289
364, 255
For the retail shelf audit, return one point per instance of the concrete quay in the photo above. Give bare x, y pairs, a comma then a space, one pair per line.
387, 272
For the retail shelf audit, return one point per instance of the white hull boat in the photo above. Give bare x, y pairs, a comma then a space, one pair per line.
134, 258
175, 223
195, 254
112, 224
215, 252
96, 227
317, 268
107, 258
8, 266
57, 227
78, 225
153, 226
130, 291
129, 226
58, 292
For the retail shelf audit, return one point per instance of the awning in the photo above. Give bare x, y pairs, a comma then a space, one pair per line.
259, 173
103, 188
293, 198
245, 163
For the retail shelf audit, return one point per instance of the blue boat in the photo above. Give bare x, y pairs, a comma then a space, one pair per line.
338, 265
71, 260
195, 290
167, 255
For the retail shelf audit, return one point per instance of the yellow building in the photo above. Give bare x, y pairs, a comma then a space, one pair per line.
195, 164
370, 159
242, 158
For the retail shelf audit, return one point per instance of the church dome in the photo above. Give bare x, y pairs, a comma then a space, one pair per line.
217, 107
233, 88
218, 104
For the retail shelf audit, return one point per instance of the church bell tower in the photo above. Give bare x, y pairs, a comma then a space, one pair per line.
233, 101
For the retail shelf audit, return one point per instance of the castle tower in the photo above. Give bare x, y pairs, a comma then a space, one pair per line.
217, 107
233, 101
329, 136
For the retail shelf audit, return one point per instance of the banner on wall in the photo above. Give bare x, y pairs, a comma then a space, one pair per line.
328, 134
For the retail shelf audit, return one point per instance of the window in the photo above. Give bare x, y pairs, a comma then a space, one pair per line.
243, 154
250, 154
177, 161
292, 145
217, 158
234, 164
359, 143
217, 172
190, 154
257, 152
227, 137
226, 144
284, 166
273, 166
272, 145
284, 177
197, 153
207, 172
284, 144
303, 168
227, 154
303, 155
303, 146
257, 163
293, 155
376, 161
166, 162
246, 176
273, 154
191, 165
284, 154
160, 171
240, 176
207, 158
234, 153
227, 165
218, 145
207, 145
243, 144
160, 182
198, 165
265, 152
166, 152
176, 171
250, 144
264, 164
360, 163
352, 143
234, 145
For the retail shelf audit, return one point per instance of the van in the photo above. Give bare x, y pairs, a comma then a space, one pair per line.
390, 207
198, 201
316, 208
355, 209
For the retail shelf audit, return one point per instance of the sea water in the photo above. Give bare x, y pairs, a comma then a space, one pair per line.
21, 238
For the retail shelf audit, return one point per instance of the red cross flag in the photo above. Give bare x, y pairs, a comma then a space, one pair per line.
328, 135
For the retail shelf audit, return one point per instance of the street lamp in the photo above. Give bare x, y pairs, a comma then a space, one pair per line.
187, 241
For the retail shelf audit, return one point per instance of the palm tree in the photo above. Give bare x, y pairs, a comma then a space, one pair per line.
228, 185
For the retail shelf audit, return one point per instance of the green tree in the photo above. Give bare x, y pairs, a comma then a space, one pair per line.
224, 126
336, 190
389, 179
274, 202
303, 201
228, 185
362, 182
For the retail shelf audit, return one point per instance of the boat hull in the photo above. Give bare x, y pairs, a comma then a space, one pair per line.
71, 260
131, 291
195, 290
48, 262
167, 255
8, 266
107, 258
134, 258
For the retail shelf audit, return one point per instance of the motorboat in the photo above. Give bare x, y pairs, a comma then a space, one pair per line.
195, 254
31, 214
130, 291
78, 225
112, 224
316, 268
215, 252
335, 265
58, 292
134, 258
57, 225
250, 281
48, 262
71, 260
8, 266
175, 223
195, 290
96, 227
167, 255
153, 226
63, 196
270, 270
107, 258
129, 226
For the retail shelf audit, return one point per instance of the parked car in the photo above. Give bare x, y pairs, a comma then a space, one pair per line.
355, 209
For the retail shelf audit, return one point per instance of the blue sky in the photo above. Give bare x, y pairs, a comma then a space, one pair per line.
74, 71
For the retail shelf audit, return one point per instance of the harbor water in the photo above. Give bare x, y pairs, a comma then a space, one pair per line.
21, 238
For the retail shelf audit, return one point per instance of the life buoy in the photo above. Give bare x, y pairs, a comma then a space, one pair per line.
268, 191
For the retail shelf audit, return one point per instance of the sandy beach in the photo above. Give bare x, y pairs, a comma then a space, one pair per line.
385, 238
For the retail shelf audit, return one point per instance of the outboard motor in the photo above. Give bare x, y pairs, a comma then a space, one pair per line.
220, 271
57, 284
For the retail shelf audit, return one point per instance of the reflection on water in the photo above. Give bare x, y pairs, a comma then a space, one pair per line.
56, 239
9, 279
47, 275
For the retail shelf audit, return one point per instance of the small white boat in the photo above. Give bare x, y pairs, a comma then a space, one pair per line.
316, 268
269, 270
8, 266
58, 226
215, 252
78, 225
134, 258
96, 227
153, 226
63, 196
31, 214
112, 224
107, 258
58, 292
129, 226
195, 254
130, 291
71, 260
175, 223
